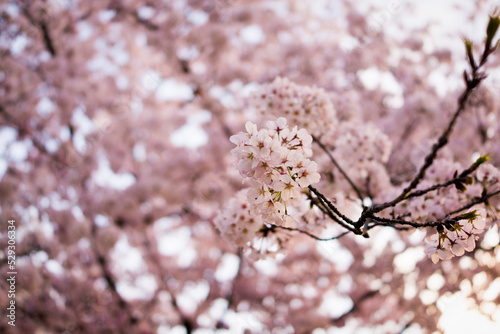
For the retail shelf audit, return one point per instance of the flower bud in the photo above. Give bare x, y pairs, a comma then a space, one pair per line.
492, 28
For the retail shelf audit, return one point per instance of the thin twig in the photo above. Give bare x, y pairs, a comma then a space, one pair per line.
110, 280
310, 234
480, 200
324, 208
356, 305
429, 159
379, 221
155, 261
408, 324
353, 186
230, 295
330, 205
399, 228
42, 25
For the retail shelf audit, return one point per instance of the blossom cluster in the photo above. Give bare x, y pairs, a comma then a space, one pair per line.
241, 224
457, 236
363, 149
238, 223
361, 143
307, 107
275, 160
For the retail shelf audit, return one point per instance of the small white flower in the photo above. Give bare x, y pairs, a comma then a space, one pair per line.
259, 192
277, 125
309, 175
288, 187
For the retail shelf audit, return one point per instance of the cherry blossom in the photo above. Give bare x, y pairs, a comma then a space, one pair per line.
275, 161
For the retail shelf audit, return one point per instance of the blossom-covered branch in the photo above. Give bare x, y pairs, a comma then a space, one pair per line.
275, 162
472, 82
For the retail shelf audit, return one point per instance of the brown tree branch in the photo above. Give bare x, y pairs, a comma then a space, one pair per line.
310, 234
330, 205
356, 305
